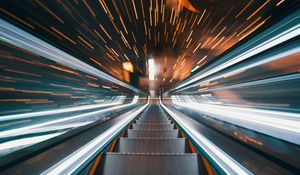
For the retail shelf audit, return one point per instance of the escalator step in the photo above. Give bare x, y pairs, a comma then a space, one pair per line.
150, 164
152, 133
153, 121
149, 126
152, 145
153, 117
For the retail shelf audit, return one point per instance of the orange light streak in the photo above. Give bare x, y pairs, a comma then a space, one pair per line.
264, 4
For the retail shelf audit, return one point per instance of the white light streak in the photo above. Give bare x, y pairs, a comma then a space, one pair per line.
223, 160
272, 38
151, 69
116, 101
20, 38
195, 68
10, 146
21, 130
72, 162
283, 125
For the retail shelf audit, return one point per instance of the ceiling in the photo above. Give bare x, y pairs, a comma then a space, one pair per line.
181, 36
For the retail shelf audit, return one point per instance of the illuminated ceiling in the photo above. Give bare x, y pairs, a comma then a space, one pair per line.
180, 35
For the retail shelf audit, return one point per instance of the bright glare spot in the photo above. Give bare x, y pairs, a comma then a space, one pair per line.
151, 69
128, 66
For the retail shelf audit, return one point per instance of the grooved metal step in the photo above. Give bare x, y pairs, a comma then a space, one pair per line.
153, 121
153, 117
152, 145
148, 126
162, 122
152, 133
150, 164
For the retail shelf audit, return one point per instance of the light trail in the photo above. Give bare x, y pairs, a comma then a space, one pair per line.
223, 160
20, 38
274, 36
117, 101
20, 130
74, 161
283, 125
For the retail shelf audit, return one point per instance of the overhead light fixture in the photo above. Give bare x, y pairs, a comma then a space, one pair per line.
151, 69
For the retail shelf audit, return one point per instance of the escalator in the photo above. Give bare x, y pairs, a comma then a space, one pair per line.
152, 144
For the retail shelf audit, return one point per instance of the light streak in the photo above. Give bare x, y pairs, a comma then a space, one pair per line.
17, 144
151, 69
250, 25
280, 2
223, 160
270, 39
195, 68
257, 10
29, 42
218, 42
50, 12
244, 8
17, 18
75, 160
63, 35
116, 101
90, 9
252, 30
103, 29
21, 130
88, 44
202, 59
283, 125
